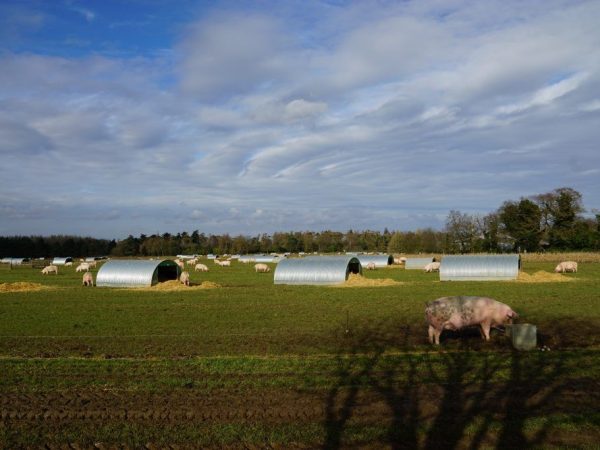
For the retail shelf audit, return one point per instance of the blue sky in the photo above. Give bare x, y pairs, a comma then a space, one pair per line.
150, 116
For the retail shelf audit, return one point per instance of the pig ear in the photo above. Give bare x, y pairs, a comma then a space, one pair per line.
512, 315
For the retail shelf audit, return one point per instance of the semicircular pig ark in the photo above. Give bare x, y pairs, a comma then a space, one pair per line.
455, 313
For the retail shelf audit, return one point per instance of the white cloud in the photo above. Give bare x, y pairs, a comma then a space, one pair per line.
545, 95
592, 106
372, 117
230, 55
301, 109
88, 14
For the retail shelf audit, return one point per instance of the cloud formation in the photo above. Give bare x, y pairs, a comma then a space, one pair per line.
255, 121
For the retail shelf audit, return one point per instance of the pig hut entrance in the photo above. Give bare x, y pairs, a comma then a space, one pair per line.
353, 267
167, 271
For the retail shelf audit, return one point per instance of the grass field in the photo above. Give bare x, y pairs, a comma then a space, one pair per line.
251, 364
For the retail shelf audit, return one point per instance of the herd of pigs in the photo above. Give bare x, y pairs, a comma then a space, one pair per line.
446, 313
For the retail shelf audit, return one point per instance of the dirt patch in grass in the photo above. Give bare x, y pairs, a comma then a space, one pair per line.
174, 285
356, 280
21, 286
52, 417
542, 276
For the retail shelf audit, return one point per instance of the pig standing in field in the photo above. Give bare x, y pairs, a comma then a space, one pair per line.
260, 267
185, 278
454, 313
201, 267
88, 280
83, 267
50, 269
432, 267
566, 266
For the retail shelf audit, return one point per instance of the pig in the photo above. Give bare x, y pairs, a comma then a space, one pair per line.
50, 269
370, 266
566, 266
260, 267
432, 267
201, 267
83, 267
185, 278
454, 313
88, 280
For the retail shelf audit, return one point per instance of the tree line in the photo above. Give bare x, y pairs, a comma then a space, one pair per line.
552, 221
57, 245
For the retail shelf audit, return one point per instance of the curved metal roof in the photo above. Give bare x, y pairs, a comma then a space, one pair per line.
417, 263
316, 270
14, 261
480, 267
260, 258
136, 272
379, 260
268, 259
61, 260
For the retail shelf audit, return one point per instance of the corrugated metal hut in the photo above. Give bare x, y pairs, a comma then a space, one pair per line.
260, 258
268, 258
480, 267
317, 270
19, 261
418, 263
15, 261
136, 272
379, 260
61, 261
94, 258
246, 258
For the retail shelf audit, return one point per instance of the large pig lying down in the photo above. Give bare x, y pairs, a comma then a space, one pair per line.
454, 313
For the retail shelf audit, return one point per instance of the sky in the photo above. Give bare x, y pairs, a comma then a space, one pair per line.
151, 116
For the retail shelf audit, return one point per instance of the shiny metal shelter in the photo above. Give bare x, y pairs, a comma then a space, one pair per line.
316, 270
260, 258
14, 261
268, 258
480, 267
417, 263
61, 261
136, 272
379, 260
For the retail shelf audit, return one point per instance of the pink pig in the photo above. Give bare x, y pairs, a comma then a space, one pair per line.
454, 313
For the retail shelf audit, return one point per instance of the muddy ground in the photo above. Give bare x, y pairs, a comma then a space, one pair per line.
359, 406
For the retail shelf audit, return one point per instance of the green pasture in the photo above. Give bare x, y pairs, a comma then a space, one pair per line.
341, 352
249, 315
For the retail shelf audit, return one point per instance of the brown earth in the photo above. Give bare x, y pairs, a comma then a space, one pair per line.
274, 405
444, 409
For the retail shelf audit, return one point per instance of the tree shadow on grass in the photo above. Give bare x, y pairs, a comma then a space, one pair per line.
465, 397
